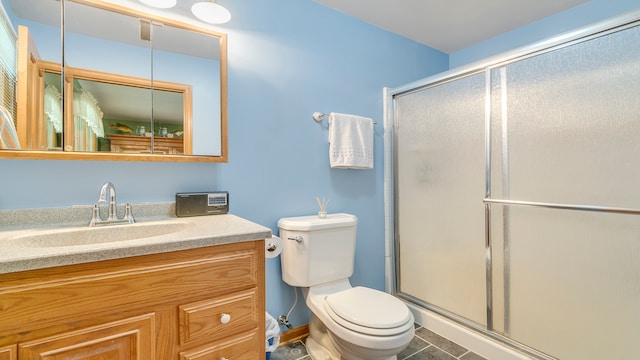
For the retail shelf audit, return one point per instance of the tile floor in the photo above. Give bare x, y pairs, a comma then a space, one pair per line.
426, 345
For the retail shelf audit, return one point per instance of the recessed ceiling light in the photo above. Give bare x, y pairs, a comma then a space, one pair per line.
161, 4
210, 12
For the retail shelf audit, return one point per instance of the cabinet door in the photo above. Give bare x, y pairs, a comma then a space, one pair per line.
128, 339
8, 352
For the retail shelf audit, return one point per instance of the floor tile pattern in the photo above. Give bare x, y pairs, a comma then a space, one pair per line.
426, 345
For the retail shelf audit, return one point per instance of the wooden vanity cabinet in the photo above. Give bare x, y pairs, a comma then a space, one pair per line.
197, 304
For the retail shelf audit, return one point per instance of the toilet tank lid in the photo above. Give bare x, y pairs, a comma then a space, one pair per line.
313, 222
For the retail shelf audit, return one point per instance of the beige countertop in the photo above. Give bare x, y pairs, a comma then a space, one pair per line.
156, 230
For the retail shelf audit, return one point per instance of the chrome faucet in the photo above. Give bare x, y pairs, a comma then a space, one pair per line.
112, 217
112, 200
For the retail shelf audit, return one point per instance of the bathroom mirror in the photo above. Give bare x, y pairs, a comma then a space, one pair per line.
133, 87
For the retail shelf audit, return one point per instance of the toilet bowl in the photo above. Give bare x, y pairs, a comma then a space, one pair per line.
356, 322
351, 323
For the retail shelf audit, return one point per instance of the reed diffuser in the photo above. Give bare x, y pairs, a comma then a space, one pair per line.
323, 207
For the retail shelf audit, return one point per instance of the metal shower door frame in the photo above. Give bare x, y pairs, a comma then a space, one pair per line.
487, 66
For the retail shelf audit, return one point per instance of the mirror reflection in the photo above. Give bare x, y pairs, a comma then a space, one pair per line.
132, 84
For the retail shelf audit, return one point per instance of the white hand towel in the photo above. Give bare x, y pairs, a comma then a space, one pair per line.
350, 141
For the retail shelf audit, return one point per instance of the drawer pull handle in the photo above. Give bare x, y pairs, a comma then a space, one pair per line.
225, 318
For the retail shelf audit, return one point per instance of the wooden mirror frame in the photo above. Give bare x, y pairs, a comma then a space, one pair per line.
71, 74
109, 156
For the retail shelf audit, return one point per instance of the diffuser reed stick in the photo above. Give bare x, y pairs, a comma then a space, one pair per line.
322, 204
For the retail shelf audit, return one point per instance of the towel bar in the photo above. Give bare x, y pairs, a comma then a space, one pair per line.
318, 116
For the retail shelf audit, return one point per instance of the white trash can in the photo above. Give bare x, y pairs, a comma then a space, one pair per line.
272, 334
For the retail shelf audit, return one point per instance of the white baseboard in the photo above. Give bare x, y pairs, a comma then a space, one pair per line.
473, 341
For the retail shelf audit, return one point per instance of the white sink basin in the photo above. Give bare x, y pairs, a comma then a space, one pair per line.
92, 235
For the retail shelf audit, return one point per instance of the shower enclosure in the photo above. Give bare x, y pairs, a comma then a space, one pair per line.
516, 191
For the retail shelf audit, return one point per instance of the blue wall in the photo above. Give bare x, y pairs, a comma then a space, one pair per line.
568, 20
287, 59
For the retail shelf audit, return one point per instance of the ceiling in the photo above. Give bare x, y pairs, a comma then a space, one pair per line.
446, 25
450, 25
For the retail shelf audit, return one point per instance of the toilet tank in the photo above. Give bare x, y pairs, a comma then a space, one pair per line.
325, 252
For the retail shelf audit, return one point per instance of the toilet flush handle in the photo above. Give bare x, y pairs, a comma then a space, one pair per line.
297, 238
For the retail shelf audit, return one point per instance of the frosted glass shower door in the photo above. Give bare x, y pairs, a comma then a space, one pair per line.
566, 131
439, 185
556, 271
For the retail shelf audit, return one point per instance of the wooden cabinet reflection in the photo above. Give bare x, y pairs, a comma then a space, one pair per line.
142, 145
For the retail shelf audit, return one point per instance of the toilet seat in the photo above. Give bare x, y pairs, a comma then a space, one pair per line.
368, 311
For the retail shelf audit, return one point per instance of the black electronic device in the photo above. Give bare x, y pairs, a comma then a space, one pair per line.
202, 203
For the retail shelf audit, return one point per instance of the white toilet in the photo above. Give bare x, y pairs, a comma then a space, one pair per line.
353, 323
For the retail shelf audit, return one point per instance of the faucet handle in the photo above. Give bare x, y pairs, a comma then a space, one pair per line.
95, 217
128, 215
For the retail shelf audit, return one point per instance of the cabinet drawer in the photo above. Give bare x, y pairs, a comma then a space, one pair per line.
245, 347
220, 317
